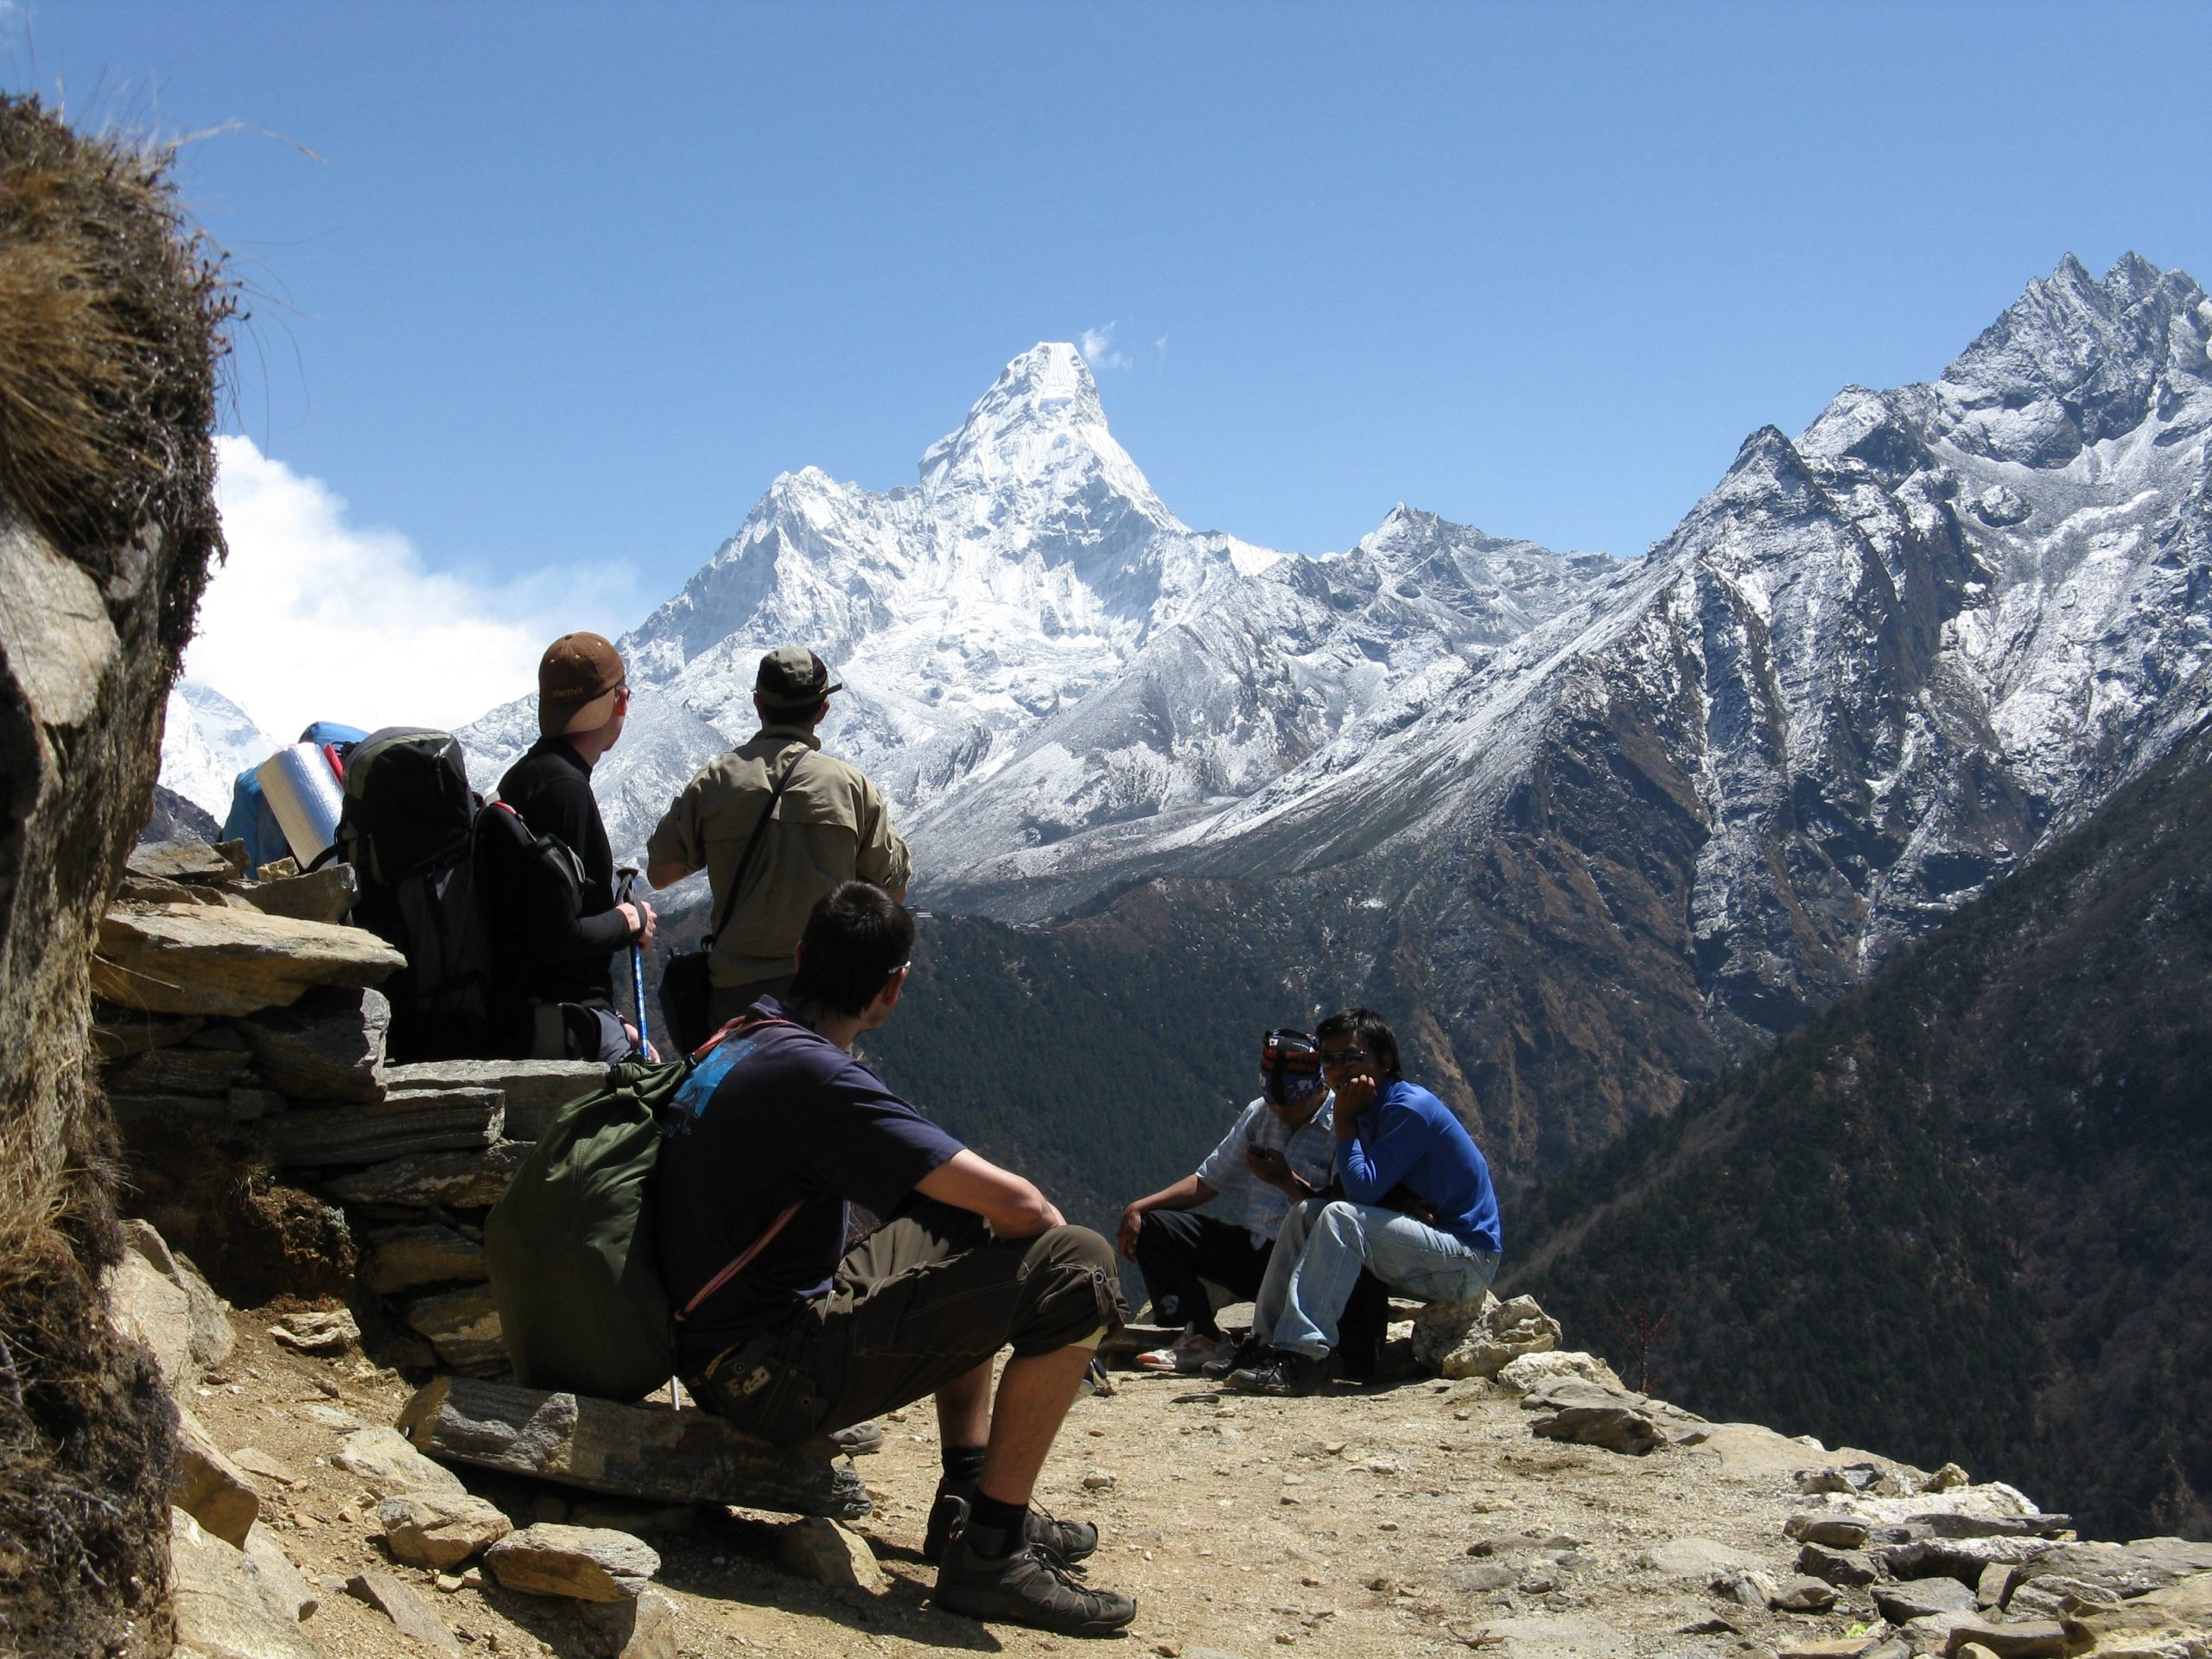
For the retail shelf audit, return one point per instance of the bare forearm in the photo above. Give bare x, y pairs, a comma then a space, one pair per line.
1014, 1208
1186, 1194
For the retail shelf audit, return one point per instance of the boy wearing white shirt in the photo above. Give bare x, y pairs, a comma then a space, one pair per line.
1281, 1150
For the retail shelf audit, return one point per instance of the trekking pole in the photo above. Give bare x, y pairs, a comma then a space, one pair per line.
637, 963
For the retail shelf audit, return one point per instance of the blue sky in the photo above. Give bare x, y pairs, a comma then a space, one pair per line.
567, 285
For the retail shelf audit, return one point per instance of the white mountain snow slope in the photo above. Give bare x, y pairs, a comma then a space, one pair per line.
207, 741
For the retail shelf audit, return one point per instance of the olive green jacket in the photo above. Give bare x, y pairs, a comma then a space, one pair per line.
830, 827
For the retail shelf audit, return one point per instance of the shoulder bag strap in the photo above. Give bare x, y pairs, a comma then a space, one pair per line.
745, 1258
744, 860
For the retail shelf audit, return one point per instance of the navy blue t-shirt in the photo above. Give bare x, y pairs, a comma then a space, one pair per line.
772, 1117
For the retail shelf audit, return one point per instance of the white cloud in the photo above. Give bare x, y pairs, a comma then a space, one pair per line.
313, 618
1099, 350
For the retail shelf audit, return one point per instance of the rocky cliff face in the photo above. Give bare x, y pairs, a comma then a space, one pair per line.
109, 318
1965, 1205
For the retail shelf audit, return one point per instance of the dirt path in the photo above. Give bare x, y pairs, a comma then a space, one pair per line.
1342, 1525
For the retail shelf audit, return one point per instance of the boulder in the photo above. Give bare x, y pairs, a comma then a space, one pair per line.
1618, 1420
209, 1336
327, 1045
2119, 1572
441, 1529
120, 1031
194, 959
1837, 1530
1847, 1567
153, 1312
323, 895
1703, 1558
647, 1452
1963, 1559
401, 1125
388, 1464
318, 1331
1440, 1327
1502, 1335
404, 1606
817, 1548
534, 1090
226, 1608
458, 1180
585, 1563
2025, 1639
210, 1488
1901, 1602
281, 1581
463, 1325
407, 1258
1802, 1594
1534, 1370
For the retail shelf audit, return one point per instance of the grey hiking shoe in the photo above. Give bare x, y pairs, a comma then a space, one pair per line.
1027, 1587
1071, 1540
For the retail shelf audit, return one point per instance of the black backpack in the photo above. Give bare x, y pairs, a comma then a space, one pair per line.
429, 854
408, 830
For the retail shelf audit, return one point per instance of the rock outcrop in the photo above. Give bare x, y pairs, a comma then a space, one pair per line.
112, 316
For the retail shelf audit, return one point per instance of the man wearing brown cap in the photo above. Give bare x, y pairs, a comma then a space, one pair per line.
812, 822
562, 960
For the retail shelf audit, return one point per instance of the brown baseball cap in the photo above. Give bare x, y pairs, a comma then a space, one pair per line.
578, 679
792, 676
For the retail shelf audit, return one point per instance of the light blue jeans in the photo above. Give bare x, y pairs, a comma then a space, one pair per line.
1317, 1260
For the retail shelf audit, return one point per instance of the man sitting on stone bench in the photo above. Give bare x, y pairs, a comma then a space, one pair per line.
1417, 1211
805, 1337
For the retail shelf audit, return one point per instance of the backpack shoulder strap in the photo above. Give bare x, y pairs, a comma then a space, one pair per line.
744, 860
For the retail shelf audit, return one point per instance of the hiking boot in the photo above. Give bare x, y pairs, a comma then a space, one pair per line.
1027, 1587
1281, 1371
1070, 1540
1246, 1353
857, 1441
1184, 1356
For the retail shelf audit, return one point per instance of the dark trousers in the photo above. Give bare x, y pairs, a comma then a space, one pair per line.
1178, 1248
918, 1305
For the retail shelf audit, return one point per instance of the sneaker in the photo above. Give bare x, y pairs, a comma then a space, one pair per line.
1027, 1587
1185, 1355
1282, 1371
1246, 1353
1069, 1540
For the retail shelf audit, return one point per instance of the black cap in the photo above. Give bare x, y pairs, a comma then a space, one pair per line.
792, 676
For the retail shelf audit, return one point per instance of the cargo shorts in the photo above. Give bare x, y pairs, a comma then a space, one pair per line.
916, 1306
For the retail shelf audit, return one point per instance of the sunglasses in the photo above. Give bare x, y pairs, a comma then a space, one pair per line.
1344, 1056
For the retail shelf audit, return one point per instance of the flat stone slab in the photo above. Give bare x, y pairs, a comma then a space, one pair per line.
224, 1603
535, 1089
403, 1605
327, 1045
401, 1125
463, 1325
389, 1465
458, 1180
187, 861
441, 1529
210, 1488
407, 1258
649, 1452
323, 895
197, 959
583, 1563
181, 1070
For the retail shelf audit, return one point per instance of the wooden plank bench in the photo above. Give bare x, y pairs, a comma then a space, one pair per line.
651, 1453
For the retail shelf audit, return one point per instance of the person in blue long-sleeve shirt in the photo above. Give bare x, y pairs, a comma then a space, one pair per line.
1418, 1210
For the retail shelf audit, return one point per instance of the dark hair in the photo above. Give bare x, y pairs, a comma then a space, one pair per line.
1365, 1026
856, 937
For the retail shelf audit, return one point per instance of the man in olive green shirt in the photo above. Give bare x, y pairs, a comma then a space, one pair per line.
829, 826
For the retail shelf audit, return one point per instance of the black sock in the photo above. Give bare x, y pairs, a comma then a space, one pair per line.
963, 1466
996, 1528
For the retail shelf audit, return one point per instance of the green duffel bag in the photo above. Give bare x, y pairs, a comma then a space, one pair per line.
570, 1245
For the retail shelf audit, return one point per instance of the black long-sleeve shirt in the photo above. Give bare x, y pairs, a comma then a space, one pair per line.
561, 956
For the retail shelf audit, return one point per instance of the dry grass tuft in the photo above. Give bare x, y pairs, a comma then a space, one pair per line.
112, 312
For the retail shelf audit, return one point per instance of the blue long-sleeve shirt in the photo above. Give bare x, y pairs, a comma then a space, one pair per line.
1410, 1135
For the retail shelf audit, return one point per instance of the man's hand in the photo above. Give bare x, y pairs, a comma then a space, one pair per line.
639, 1043
1354, 1095
643, 927
1125, 1236
1269, 1165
